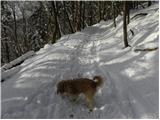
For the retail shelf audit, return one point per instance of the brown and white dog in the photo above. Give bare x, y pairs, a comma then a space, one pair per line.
81, 85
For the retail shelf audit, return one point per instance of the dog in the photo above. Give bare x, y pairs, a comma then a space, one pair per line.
75, 87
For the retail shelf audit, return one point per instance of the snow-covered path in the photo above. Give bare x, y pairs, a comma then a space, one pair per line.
130, 87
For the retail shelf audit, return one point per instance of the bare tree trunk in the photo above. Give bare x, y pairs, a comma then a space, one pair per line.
15, 32
5, 46
104, 10
57, 33
25, 48
83, 15
74, 7
15, 24
100, 13
77, 15
91, 14
80, 14
51, 28
59, 25
114, 16
125, 25
66, 12
128, 10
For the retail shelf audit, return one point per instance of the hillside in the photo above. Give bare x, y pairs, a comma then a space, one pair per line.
131, 83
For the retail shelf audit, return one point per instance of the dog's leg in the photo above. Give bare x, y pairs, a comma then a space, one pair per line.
89, 99
74, 98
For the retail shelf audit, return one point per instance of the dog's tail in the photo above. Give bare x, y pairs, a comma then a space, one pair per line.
98, 80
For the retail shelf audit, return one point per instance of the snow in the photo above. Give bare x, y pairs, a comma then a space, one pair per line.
17, 61
10, 72
130, 89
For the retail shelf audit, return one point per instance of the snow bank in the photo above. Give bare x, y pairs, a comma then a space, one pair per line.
17, 61
9, 73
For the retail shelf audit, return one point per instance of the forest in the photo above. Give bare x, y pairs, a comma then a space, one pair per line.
30, 25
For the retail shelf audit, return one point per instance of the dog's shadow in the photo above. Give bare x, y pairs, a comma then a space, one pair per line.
98, 102
80, 101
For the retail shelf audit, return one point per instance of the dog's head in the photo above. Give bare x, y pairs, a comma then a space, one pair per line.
60, 88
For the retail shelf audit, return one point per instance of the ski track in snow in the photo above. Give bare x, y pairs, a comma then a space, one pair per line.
97, 50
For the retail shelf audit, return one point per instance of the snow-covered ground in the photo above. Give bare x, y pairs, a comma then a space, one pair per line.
131, 87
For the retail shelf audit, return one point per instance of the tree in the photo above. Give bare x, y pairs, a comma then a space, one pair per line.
57, 33
91, 14
114, 16
18, 48
128, 4
6, 15
29, 25
66, 13
79, 18
83, 21
100, 10
125, 24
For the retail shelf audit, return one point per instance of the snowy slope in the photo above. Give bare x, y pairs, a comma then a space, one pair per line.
130, 87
